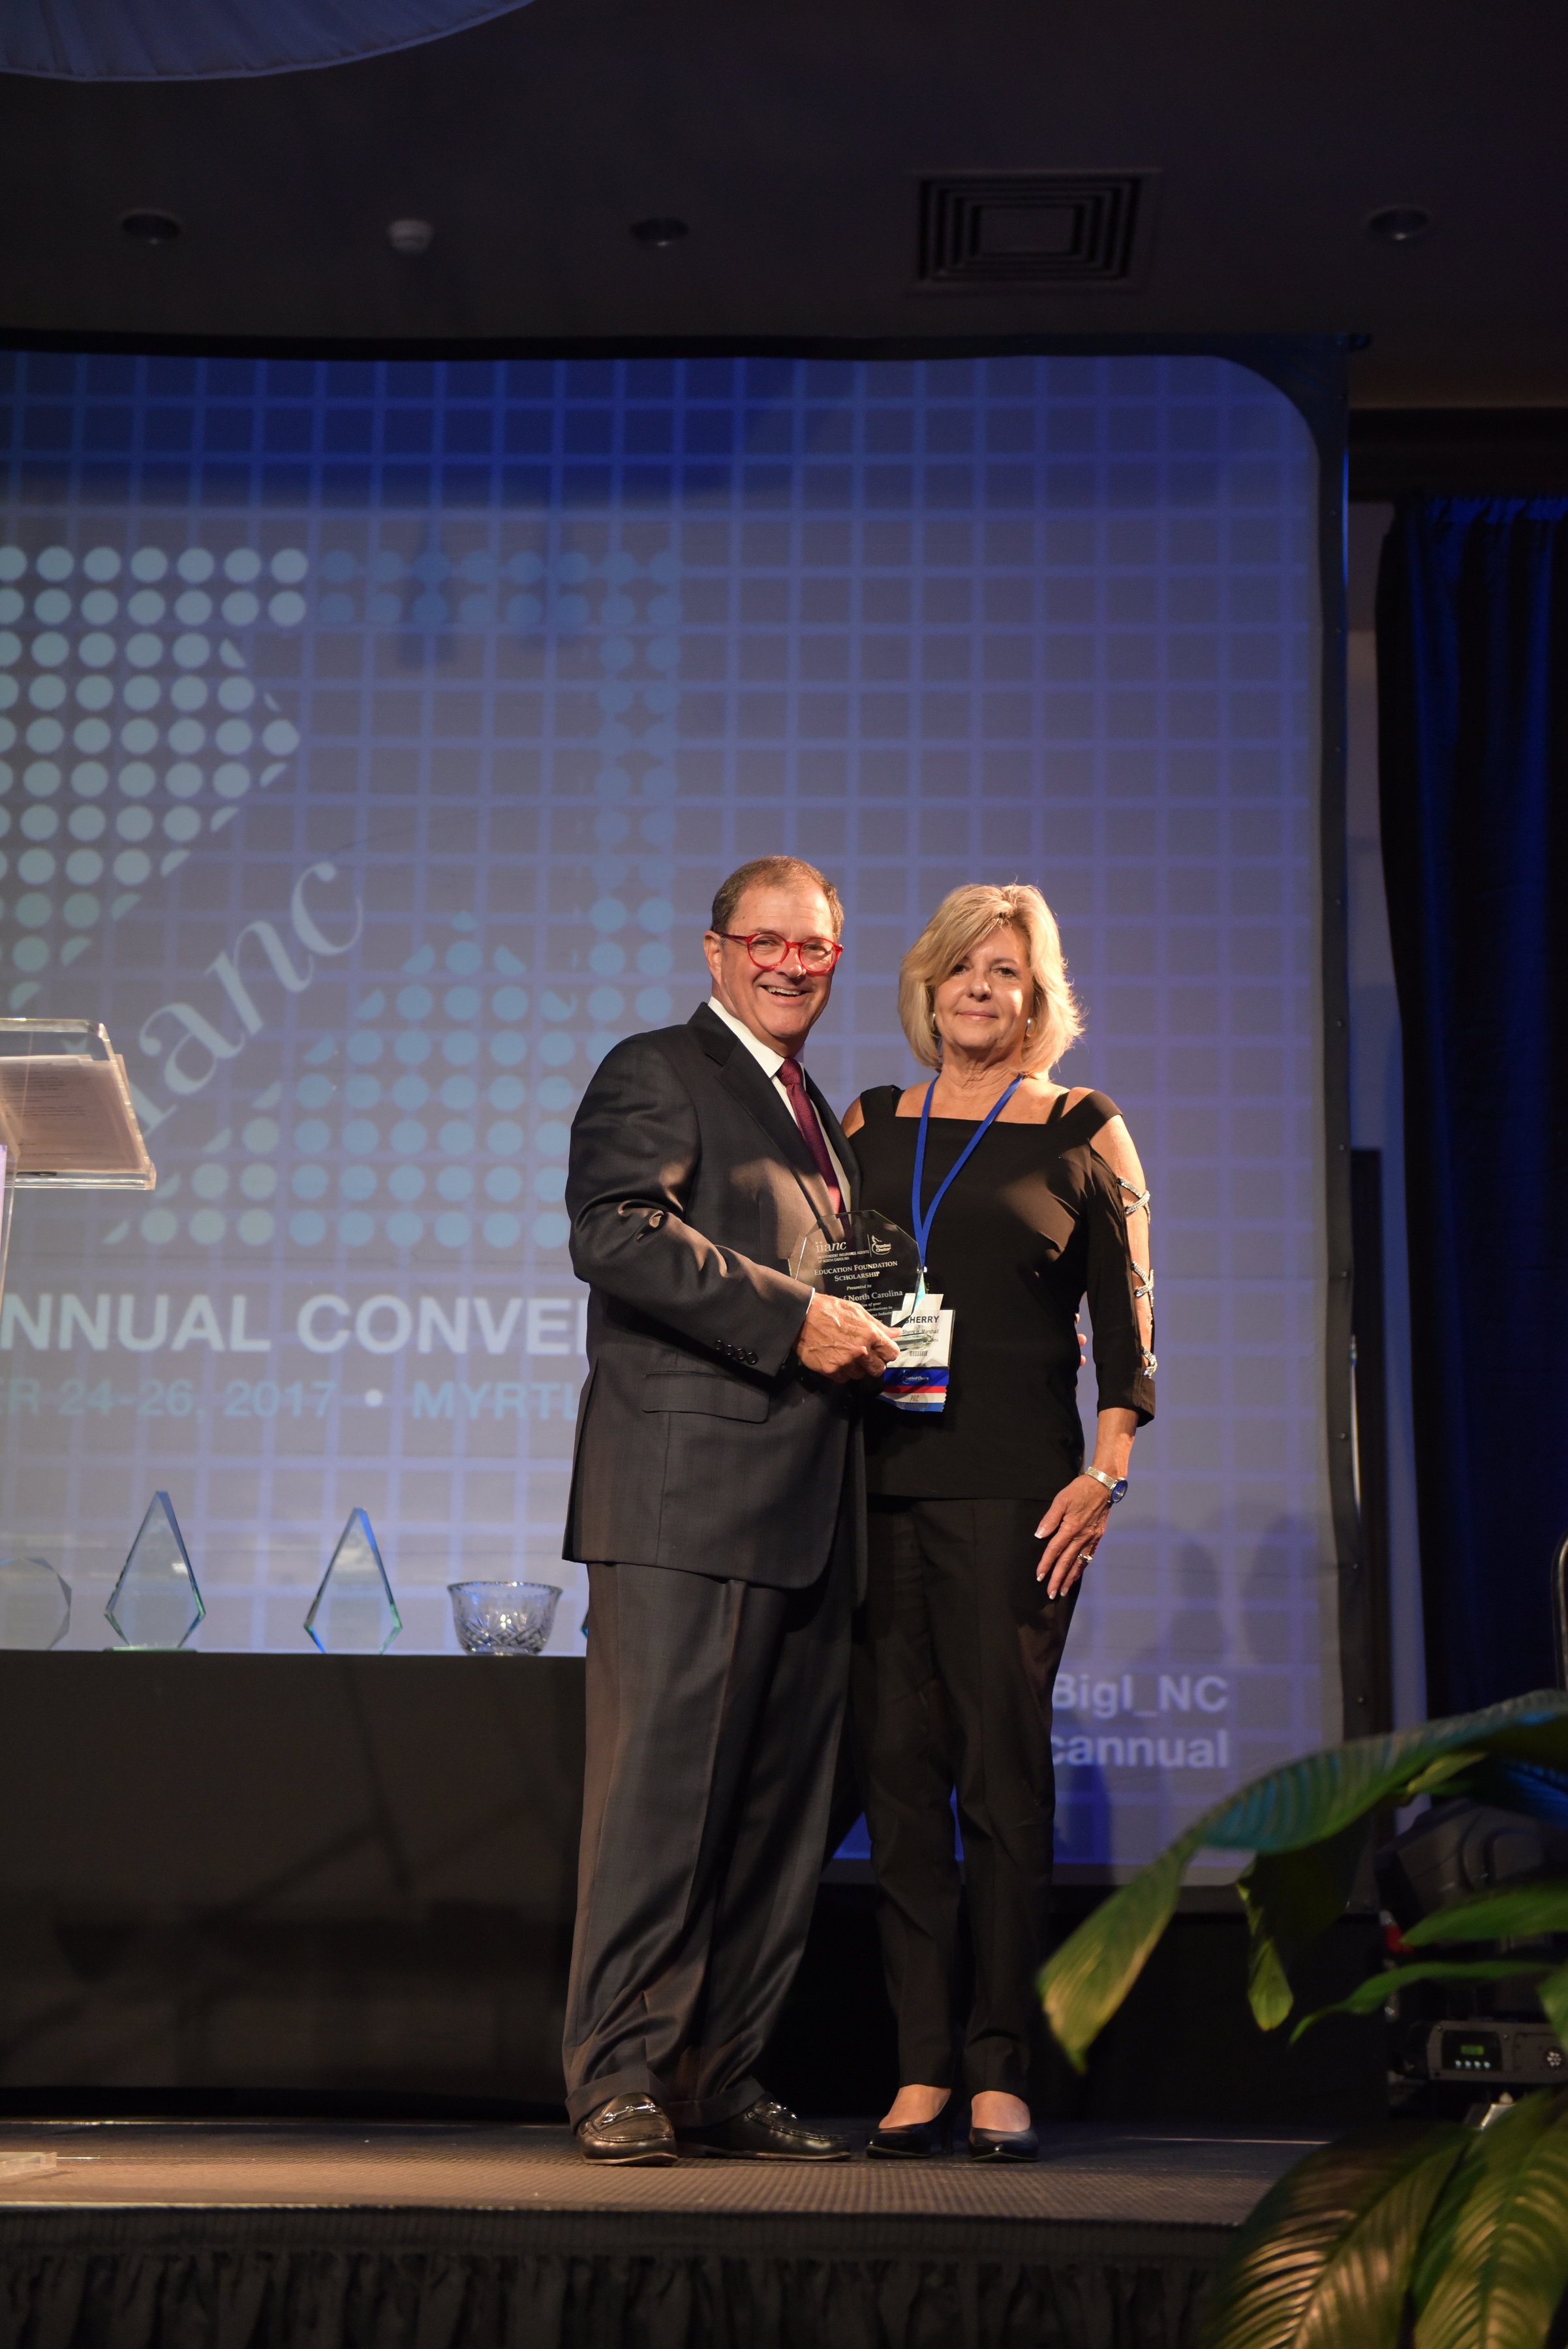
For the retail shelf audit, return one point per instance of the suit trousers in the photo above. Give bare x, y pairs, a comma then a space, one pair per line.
953, 1665
713, 1715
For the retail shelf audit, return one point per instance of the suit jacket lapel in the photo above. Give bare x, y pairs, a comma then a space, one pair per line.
741, 1076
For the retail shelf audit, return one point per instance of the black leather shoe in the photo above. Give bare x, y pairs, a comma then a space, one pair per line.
915, 2140
767, 2132
1003, 2145
631, 2130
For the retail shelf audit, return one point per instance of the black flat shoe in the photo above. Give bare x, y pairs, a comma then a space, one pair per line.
917, 2141
632, 2131
766, 2132
1003, 2145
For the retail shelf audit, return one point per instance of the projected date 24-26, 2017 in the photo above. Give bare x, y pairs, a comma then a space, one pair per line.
292, 1399
166, 1398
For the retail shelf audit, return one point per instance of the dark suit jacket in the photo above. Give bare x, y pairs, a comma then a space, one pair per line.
702, 1443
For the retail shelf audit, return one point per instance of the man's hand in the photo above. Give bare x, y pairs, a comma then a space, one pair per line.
839, 1340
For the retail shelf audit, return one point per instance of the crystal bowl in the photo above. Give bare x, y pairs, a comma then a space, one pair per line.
503, 1618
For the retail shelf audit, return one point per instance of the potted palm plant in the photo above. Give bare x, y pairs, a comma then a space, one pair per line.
1427, 2234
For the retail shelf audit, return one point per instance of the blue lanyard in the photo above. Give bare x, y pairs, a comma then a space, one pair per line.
923, 1223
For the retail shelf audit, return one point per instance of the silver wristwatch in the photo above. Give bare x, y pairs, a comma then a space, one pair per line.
1117, 1486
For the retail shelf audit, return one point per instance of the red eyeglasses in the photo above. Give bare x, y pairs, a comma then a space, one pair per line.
767, 949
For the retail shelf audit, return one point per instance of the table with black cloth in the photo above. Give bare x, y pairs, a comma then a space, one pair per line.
263, 1873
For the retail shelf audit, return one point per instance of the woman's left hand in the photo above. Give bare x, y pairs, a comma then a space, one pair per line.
1070, 1529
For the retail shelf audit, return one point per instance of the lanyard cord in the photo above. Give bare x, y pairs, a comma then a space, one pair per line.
923, 1223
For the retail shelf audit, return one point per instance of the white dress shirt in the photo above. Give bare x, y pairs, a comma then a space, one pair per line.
771, 1063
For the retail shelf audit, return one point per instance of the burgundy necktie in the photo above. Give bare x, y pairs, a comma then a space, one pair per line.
805, 1117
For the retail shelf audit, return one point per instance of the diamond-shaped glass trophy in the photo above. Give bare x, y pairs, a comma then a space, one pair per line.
35, 1603
354, 1612
156, 1603
872, 1261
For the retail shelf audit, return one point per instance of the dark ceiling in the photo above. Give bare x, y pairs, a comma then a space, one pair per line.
792, 142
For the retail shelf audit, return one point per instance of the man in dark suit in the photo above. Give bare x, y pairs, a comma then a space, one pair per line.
716, 1498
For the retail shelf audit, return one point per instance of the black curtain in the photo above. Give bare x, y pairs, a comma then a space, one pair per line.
270, 2279
1472, 670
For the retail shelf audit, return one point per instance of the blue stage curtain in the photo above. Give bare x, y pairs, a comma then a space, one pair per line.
1472, 668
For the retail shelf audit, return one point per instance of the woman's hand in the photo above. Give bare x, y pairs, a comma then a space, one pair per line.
1070, 1529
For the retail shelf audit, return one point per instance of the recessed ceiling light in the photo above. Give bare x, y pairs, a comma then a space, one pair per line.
652, 232
410, 235
1399, 224
150, 228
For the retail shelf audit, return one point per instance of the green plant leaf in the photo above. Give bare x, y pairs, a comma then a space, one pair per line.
1290, 1898
1085, 1981
1553, 1993
1438, 1776
1369, 1995
1526, 1909
1493, 2262
1324, 2261
1269, 1992
1304, 1803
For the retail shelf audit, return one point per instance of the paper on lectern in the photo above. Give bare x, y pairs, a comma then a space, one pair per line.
71, 1116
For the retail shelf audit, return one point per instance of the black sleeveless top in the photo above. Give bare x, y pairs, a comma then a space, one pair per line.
1035, 1222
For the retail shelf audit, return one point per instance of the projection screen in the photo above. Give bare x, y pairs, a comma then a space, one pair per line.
371, 739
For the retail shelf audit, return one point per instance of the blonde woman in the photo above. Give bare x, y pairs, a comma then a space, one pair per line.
983, 1514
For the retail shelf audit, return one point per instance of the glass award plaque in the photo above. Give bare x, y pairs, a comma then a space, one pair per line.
156, 1603
354, 1612
873, 1262
35, 1603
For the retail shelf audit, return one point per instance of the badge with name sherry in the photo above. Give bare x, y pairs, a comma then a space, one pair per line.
918, 1381
872, 1262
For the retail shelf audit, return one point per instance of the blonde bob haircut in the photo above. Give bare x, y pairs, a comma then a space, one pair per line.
964, 919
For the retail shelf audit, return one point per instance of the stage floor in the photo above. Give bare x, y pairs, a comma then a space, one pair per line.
1109, 2174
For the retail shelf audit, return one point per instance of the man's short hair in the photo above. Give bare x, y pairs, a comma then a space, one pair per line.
766, 871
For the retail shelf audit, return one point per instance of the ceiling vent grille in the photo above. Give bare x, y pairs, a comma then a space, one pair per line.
1079, 229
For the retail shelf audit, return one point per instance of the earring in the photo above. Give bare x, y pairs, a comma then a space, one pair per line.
1029, 1026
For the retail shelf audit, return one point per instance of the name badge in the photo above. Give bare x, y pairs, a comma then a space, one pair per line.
918, 1381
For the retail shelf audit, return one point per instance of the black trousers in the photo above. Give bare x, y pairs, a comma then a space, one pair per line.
954, 1664
714, 1717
